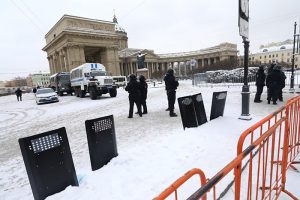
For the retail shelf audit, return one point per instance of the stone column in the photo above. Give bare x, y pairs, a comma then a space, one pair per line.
50, 65
110, 59
75, 56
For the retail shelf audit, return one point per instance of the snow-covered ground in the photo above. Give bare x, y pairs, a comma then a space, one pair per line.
154, 150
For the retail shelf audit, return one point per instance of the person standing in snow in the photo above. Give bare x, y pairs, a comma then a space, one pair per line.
144, 91
274, 83
171, 86
19, 94
260, 83
282, 84
134, 90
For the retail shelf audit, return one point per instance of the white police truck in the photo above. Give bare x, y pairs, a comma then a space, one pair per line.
92, 78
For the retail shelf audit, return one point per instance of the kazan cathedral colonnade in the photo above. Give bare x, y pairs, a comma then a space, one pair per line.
74, 40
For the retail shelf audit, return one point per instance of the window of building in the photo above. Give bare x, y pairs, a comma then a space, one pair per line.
296, 59
276, 55
265, 56
288, 60
273, 55
259, 57
288, 54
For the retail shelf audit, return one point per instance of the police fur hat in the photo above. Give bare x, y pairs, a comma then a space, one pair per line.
170, 71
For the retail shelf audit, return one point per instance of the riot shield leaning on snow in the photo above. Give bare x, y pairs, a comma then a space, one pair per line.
199, 108
187, 112
218, 104
48, 162
101, 140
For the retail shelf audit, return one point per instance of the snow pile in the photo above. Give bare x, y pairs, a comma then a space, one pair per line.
154, 150
231, 76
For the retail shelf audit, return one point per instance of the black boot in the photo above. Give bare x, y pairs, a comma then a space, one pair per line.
172, 114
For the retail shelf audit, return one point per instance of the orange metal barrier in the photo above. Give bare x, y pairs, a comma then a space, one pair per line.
270, 148
173, 188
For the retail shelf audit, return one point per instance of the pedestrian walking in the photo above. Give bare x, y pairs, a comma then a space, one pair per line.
260, 83
134, 90
171, 86
34, 90
144, 91
19, 94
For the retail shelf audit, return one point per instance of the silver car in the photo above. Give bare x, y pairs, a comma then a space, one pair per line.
45, 95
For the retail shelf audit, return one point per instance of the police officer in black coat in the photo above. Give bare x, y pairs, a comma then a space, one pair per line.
283, 77
144, 91
270, 69
274, 84
260, 83
171, 86
134, 90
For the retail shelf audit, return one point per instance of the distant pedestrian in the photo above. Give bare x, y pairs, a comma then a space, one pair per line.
171, 86
260, 83
34, 90
144, 91
134, 90
19, 94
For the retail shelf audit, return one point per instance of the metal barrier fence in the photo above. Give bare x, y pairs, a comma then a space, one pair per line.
202, 80
269, 148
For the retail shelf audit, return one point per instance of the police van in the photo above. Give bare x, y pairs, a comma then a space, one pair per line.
92, 78
60, 83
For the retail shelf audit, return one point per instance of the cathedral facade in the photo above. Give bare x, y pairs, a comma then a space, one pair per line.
74, 40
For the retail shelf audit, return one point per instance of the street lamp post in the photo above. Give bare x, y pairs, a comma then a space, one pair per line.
293, 60
244, 32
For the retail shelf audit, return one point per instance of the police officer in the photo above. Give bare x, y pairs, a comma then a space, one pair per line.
144, 91
260, 83
171, 86
134, 90
274, 84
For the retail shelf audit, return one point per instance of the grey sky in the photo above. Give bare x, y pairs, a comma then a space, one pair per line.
164, 26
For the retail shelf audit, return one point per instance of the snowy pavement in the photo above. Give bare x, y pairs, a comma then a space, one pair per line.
154, 150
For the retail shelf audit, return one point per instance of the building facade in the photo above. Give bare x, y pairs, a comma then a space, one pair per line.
279, 53
39, 79
73, 41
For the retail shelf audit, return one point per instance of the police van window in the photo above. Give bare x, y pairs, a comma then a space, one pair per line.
87, 74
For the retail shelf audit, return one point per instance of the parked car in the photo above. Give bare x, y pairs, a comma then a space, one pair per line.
45, 95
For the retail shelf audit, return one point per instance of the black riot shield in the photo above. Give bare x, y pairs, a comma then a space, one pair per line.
187, 112
199, 109
101, 140
218, 104
48, 162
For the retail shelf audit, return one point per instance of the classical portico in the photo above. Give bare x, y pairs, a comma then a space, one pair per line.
161, 62
75, 40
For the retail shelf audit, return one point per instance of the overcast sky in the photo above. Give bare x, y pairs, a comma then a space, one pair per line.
166, 26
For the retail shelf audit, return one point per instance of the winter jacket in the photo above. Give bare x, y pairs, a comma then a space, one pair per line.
134, 90
260, 78
144, 89
275, 80
170, 82
18, 92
